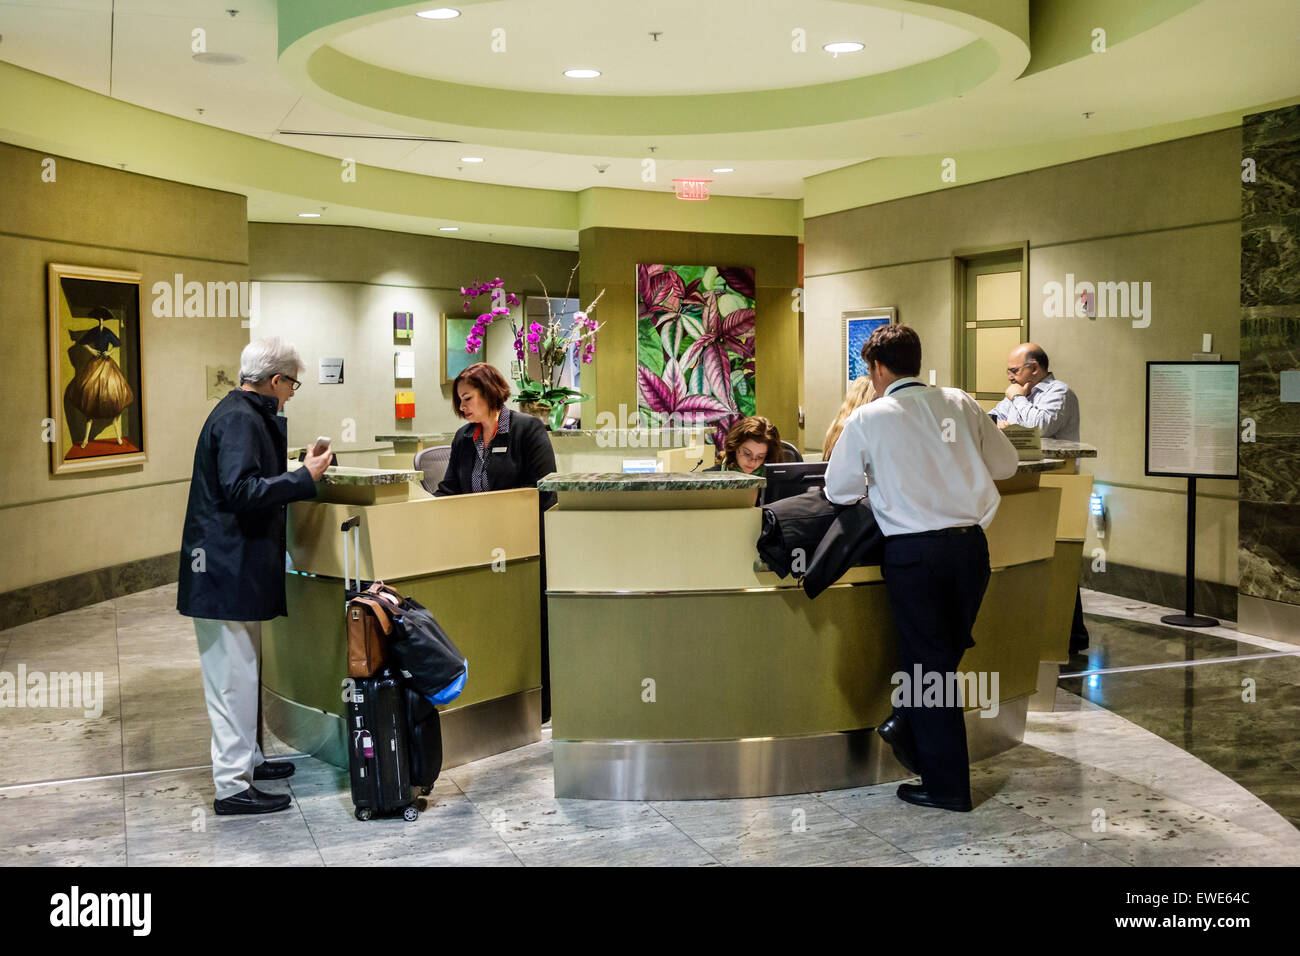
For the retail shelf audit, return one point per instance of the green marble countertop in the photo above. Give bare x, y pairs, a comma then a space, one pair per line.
650, 481
346, 475
1068, 449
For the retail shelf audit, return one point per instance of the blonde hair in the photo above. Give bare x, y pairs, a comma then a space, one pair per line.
861, 391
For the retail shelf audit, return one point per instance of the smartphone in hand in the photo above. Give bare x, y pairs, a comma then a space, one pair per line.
322, 445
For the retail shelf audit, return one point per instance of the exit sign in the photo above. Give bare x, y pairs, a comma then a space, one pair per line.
692, 188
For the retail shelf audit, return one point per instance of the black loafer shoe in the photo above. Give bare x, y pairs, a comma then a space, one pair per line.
252, 800
898, 735
917, 795
273, 770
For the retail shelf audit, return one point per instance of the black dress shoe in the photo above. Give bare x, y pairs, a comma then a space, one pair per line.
898, 735
273, 770
916, 794
252, 800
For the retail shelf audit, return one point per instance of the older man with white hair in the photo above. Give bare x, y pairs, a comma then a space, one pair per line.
233, 560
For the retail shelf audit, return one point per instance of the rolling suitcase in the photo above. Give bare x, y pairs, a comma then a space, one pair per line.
379, 755
378, 730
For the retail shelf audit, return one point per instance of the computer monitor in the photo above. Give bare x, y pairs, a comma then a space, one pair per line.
793, 478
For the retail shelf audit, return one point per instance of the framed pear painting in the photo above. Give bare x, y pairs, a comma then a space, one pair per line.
96, 381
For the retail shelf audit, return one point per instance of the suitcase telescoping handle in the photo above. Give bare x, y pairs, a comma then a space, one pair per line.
353, 524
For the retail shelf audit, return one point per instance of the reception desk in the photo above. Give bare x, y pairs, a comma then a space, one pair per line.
473, 560
1071, 531
578, 450
682, 669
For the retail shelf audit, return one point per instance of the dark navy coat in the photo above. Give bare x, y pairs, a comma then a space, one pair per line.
236, 513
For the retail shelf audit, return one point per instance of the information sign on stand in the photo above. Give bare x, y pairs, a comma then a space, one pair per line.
1191, 432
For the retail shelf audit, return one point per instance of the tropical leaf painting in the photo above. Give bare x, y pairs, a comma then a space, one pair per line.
695, 345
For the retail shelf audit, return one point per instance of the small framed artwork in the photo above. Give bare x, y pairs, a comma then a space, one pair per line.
858, 326
454, 357
96, 378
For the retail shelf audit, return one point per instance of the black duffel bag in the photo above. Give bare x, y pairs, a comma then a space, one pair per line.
792, 529
425, 655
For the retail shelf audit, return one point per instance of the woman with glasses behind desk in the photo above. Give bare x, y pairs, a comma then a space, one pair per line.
752, 444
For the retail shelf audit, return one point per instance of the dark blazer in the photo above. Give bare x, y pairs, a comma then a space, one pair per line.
527, 457
236, 513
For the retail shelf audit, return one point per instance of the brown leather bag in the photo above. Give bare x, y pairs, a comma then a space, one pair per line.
369, 627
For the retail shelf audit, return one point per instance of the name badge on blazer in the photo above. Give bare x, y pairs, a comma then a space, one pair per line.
499, 451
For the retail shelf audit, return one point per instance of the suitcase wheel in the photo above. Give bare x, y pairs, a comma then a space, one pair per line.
364, 813
410, 814
422, 804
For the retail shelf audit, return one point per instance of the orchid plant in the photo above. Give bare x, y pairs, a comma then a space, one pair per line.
551, 343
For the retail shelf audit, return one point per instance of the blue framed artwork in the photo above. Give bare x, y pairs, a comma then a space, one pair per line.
858, 326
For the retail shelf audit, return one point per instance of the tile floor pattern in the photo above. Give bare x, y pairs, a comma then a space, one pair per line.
132, 786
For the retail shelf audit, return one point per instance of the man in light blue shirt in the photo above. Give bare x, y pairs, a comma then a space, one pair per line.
1036, 398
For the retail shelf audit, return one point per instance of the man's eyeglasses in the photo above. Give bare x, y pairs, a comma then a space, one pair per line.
289, 378
1014, 370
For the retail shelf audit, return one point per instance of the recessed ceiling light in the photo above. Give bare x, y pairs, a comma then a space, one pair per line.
582, 74
471, 159
218, 59
725, 169
308, 215
449, 228
441, 13
843, 46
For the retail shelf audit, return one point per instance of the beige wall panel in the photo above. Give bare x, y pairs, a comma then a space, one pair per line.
97, 206
54, 539
1171, 184
57, 531
1146, 529
333, 290
923, 294
1170, 216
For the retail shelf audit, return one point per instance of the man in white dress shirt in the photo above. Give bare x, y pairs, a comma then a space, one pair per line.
1036, 398
930, 456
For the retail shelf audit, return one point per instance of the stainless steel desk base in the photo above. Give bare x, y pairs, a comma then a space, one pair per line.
754, 767
468, 733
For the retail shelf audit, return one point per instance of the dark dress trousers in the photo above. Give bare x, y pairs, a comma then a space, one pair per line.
935, 585
236, 513
517, 459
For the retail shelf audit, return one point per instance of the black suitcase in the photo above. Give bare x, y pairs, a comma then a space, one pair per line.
378, 730
379, 748
425, 730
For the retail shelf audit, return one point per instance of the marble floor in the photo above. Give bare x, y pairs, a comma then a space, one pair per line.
1165, 765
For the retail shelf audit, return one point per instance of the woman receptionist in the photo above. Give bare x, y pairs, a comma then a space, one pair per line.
497, 448
494, 450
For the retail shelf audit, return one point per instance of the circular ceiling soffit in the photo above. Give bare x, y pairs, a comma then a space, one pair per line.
310, 34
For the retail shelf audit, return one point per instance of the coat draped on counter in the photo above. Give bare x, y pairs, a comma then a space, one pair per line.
236, 513
831, 538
